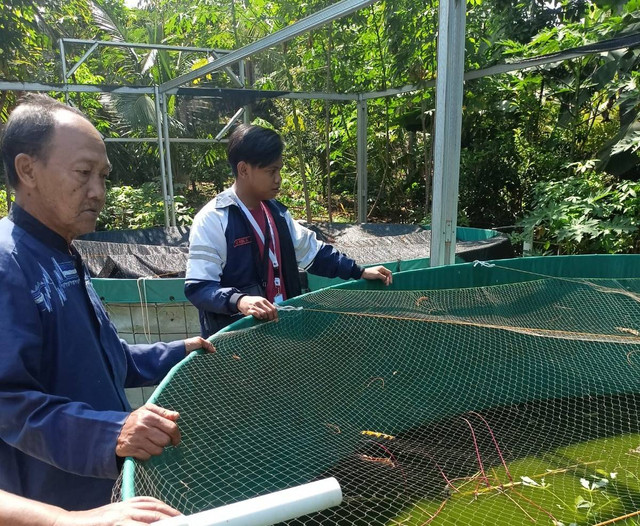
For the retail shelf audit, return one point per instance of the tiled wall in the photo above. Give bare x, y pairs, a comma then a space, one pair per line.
150, 323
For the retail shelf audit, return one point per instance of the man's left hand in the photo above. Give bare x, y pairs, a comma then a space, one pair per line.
132, 512
195, 343
379, 272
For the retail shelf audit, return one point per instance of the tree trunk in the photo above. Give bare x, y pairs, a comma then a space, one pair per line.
298, 133
387, 124
303, 171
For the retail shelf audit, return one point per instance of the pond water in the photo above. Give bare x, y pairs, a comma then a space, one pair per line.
583, 484
550, 462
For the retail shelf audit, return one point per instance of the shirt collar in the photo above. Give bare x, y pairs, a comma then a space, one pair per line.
39, 230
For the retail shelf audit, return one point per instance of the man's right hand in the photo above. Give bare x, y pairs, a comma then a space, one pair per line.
258, 307
147, 431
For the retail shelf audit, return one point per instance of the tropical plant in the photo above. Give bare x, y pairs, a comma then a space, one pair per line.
586, 213
3, 203
143, 207
522, 132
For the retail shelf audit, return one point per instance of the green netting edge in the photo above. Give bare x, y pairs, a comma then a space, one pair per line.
129, 467
171, 290
468, 275
462, 234
320, 282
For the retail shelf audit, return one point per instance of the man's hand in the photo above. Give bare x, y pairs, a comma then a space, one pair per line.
195, 343
132, 512
258, 307
147, 431
20, 511
379, 272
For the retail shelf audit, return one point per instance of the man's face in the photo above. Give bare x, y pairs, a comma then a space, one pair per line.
68, 188
263, 182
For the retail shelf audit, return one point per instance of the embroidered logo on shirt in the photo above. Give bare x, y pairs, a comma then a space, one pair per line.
64, 275
242, 241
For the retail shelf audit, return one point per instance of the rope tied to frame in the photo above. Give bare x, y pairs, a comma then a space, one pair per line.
483, 264
287, 308
144, 307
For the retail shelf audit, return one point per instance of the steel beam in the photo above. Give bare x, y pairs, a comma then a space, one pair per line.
149, 90
136, 45
190, 140
449, 88
183, 140
111, 43
316, 95
227, 126
361, 161
167, 151
63, 62
83, 88
81, 60
163, 172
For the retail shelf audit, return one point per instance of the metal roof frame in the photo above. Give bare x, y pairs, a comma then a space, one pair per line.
449, 83
333, 12
222, 59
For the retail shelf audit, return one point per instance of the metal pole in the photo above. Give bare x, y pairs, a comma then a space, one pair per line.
243, 78
231, 122
181, 140
148, 90
63, 60
163, 175
449, 91
361, 161
167, 151
82, 59
133, 45
140, 45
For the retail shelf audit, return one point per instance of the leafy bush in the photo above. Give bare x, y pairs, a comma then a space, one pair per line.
587, 213
127, 207
3, 202
292, 193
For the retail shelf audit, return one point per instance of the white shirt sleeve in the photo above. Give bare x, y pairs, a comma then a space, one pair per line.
207, 244
305, 242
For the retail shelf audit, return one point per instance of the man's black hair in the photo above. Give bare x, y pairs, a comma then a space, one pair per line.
254, 145
29, 129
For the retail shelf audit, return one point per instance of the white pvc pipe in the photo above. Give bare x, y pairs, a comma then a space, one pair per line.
267, 509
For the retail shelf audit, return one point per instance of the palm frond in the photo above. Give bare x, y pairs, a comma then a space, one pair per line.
133, 112
106, 21
149, 61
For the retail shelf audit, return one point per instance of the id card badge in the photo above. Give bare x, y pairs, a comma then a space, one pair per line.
276, 281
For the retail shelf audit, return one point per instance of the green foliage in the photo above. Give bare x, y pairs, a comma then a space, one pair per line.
3, 202
519, 129
292, 194
586, 213
127, 208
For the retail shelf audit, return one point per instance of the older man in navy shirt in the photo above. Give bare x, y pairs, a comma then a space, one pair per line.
66, 424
